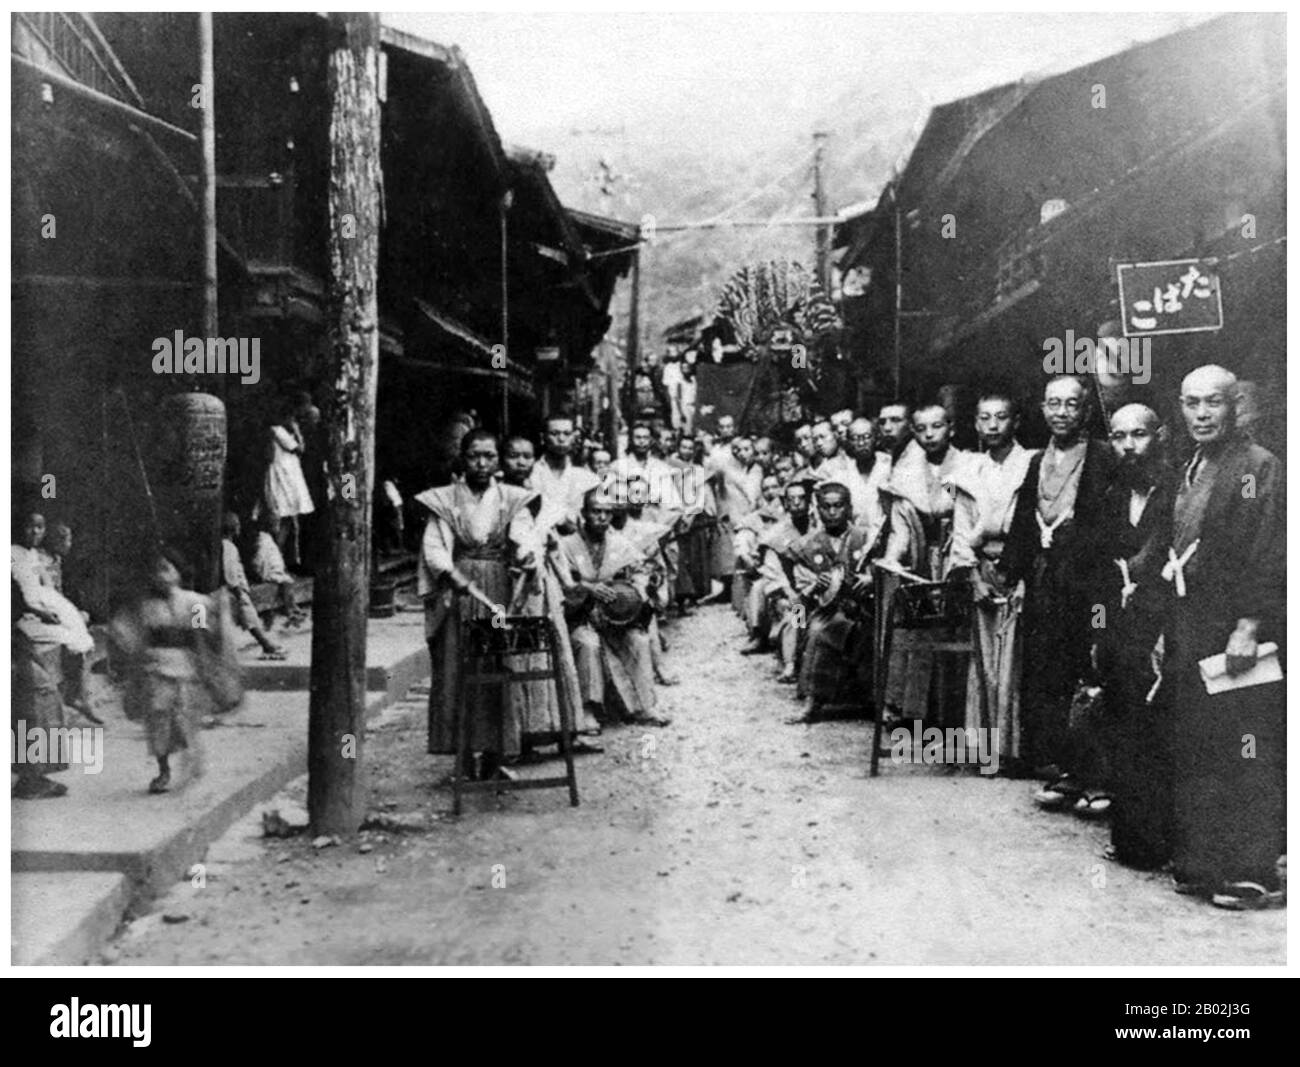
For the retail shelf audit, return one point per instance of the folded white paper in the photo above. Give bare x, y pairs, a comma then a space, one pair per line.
1214, 671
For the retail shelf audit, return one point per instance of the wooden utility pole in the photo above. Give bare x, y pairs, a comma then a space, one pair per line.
208, 178
898, 294
341, 597
507, 202
819, 200
632, 353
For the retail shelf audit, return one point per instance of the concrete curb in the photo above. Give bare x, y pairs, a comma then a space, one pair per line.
125, 882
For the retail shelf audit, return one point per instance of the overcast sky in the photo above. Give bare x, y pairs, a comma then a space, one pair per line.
541, 72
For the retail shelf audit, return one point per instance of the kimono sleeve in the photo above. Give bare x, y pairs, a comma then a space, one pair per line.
1260, 591
525, 536
437, 546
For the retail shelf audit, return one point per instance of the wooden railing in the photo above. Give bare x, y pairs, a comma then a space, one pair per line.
72, 44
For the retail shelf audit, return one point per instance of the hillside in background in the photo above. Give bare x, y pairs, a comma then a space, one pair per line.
756, 173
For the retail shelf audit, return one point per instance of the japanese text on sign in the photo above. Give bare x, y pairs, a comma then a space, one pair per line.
1173, 296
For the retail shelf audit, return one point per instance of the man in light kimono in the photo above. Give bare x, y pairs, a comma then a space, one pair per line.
748, 534
1227, 572
805, 453
832, 575
895, 425
919, 498
561, 482
614, 663
738, 483
831, 462
840, 422
652, 539
783, 614
696, 526
540, 594
985, 503
659, 498
868, 477
477, 530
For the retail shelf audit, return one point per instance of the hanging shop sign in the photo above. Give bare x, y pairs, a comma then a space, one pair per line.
1171, 296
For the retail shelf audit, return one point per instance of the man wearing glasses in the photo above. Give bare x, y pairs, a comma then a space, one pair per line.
1226, 572
1056, 533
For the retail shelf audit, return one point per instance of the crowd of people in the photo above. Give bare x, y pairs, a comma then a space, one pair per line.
1120, 593
1121, 596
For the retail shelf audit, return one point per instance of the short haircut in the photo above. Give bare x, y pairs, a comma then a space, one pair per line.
641, 426
518, 438
907, 408
474, 436
931, 406
599, 492
999, 393
546, 423
826, 489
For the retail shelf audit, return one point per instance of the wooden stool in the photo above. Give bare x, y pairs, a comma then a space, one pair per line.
934, 607
486, 652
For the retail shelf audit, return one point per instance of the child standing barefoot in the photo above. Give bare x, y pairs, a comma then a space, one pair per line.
177, 650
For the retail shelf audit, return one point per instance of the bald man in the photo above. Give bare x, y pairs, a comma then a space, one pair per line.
1130, 774
1056, 532
1226, 575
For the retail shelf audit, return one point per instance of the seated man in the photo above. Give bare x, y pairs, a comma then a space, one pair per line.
600, 567
749, 532
650, 539
781, 616
832, 576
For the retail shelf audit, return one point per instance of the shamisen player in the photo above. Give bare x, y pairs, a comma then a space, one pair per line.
605, 588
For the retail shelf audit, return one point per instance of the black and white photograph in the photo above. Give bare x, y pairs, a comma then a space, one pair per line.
684, 492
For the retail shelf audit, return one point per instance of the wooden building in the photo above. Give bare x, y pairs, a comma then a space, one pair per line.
492, 295
1016, 205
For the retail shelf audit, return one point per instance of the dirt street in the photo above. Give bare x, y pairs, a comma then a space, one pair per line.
728, 838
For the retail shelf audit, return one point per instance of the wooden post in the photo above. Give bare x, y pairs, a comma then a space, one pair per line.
208, 178
634, 315
507, 201
819, 199
898, 296
341, 598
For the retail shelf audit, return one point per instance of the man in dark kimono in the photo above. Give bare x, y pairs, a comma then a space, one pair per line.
1054, 538
832, 576
1226, 568
1133, 743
